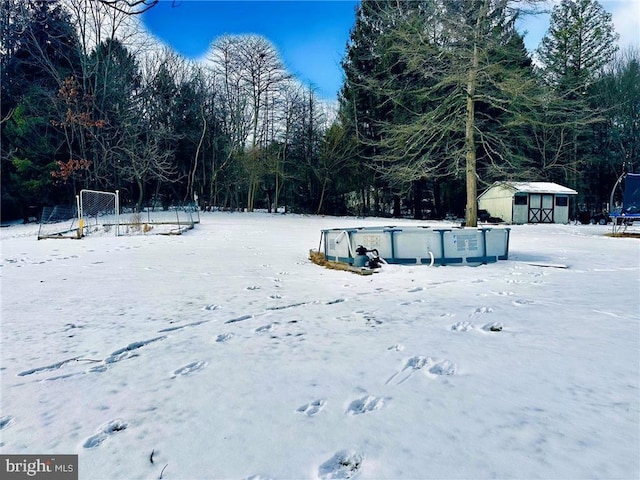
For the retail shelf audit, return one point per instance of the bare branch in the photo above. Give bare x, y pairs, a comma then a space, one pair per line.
131, 7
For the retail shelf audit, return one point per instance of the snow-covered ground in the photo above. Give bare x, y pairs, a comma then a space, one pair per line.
225, 353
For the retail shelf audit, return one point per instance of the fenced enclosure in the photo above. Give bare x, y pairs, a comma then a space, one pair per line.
151, 220
60, 221
100, 213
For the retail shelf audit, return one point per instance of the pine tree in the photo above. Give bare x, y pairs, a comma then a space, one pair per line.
362, 107
459, 90
617, 138
40, 52
580, 42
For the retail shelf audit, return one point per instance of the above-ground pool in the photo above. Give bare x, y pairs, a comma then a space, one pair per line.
417, 245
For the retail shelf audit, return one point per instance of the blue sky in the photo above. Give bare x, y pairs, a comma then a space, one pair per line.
311, 36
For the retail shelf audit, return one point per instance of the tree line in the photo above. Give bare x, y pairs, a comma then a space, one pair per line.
87, 103
440, 98
443, 99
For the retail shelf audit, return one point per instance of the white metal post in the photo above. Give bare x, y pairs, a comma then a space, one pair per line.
80, 225
117, 213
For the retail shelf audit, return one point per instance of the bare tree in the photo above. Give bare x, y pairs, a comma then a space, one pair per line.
111, 45
250, 72
148, 159
235, 112
131, 7
291, 97
336, 150
262, 73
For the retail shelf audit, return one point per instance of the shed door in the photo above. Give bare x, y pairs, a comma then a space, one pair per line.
540, 208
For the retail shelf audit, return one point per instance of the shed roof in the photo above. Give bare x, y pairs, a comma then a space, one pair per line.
536, 187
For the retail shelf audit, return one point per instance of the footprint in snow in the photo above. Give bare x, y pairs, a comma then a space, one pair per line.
366, 404
313, 408
412, 365
462, 327
224, 337
427, 364
396, 348
47, 368
481, 310
130, 350
343, 465
239, 319
493, 327
416, 289
190, 368
114, 426
5, 421
522, 302
180, 327
98, 369
211, 307
445, 367
412, 302
270, 327
337, 300
369, 318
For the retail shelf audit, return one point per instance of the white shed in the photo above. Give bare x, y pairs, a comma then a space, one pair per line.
527, 202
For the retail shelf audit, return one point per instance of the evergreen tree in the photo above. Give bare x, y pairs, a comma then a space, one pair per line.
362, 108
112, 86
616, 139
460, 92
41, 50
580, 42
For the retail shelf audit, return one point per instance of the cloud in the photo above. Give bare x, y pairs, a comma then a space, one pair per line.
626, 20
625, 15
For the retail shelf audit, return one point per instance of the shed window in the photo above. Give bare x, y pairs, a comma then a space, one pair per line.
562, 201
520, 200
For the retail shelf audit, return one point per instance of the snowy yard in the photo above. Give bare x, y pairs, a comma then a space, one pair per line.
224, 353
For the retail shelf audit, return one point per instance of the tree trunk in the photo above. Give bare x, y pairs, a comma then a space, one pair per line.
192, 177
213, 183
324, 189
417, 199
396, 206
471, 211
279, 172
140, 193
276, 192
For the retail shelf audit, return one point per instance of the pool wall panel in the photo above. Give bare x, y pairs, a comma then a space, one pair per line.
419, 245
